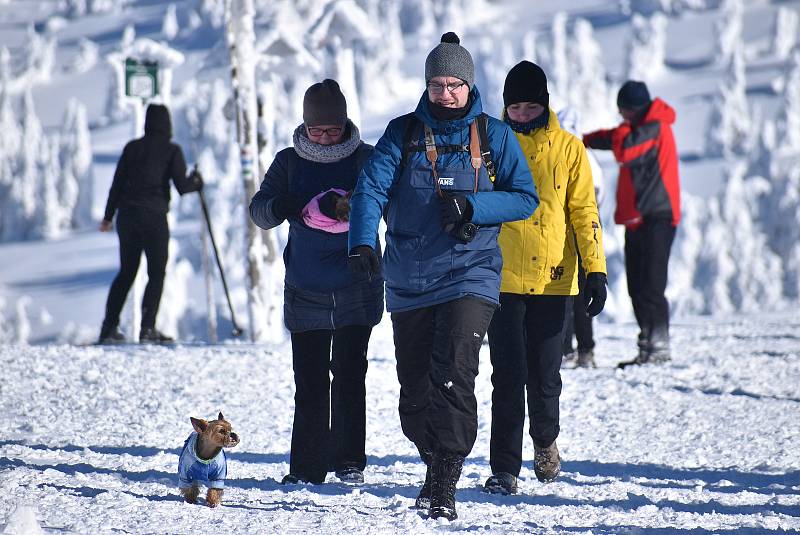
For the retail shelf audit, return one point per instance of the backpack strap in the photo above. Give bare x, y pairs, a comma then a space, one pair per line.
410, 136
486, 149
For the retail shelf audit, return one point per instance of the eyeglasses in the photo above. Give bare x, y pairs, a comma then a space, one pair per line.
451, 88
317, 132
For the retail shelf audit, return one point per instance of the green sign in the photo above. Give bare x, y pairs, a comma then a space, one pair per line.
141, 78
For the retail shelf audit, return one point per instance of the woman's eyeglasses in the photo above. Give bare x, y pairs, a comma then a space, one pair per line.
317, 132
451, 88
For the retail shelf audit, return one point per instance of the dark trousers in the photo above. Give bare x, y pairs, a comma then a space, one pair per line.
318, 447
139, 231
647, 251
437, 351
577, 322
525, 342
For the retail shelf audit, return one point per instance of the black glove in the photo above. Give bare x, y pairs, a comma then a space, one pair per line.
455, 209
285, 207
196, 179
363, 260
594, 293
327, 204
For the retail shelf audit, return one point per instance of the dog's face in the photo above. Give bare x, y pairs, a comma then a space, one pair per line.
217, 432
343, 208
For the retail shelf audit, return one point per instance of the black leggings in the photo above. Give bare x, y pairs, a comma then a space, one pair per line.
139, 231
318, 447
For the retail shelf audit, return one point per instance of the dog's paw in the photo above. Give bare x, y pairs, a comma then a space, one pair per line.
214, 497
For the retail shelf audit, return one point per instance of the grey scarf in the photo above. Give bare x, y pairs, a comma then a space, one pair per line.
315, 152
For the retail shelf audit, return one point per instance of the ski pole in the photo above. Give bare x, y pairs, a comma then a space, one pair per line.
236, 329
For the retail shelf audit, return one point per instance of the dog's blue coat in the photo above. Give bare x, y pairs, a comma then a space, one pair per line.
191, 468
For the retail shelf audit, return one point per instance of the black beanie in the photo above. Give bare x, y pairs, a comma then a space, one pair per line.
633, 96
526, 82
324, 103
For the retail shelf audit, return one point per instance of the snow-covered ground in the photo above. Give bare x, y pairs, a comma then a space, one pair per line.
706, 444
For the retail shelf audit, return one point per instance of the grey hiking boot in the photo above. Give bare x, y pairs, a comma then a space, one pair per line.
111, 336
585, 359
423, 500
501, 483
154, 336
648, 356
546, 462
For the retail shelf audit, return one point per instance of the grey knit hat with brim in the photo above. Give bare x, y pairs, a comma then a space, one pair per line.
324, 103
449, 58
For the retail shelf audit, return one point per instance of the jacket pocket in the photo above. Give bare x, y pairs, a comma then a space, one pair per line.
560, 179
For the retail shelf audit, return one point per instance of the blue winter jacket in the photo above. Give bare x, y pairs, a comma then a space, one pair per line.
191, 468
424, 265
320, 292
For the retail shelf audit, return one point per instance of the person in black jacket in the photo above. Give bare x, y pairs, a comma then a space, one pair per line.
329, 311
139, 195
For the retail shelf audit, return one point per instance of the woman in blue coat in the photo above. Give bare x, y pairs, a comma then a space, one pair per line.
329, 310
444, 194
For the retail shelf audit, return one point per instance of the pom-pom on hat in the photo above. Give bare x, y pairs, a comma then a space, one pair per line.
449, 58
526, 82
324, 103
633, 95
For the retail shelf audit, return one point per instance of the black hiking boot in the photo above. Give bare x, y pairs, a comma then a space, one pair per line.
546, 462
294, 479
154, 336
501, 483
423, 500
585, 359
647, 356
111, 336
445, 471
350, 474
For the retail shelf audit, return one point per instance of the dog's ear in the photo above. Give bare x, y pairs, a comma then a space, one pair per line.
199, 424
220, 416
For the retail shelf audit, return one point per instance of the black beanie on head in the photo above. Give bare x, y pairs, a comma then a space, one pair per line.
633, 96
526, 82
324, 103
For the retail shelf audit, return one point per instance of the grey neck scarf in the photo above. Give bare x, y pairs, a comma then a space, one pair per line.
315, 152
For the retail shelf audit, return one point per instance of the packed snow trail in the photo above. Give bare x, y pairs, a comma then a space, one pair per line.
708, 443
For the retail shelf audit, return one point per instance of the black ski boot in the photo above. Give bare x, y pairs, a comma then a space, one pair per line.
445, 471
423, 500
152, 335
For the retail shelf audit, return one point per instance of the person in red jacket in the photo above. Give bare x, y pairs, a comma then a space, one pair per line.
648, 204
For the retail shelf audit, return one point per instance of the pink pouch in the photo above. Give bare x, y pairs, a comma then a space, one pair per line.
316, 219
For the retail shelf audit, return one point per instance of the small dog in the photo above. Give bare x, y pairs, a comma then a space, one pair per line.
203, 459
342, 207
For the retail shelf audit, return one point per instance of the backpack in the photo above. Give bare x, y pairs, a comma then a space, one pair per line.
414, 128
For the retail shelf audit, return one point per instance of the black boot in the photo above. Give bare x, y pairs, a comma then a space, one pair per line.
445, 471
424, 497
110, 335
152, 335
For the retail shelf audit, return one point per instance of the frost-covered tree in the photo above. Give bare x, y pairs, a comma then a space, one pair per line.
529, 46
169, 28
75, 8
50, 217
418, 23
39, 54
729, 30
493, 59
646, 50
729, 126
558, 77
786, 29
86, 57
588, 92
76, 183
790, 110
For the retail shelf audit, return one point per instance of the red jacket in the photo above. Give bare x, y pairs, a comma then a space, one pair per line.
648, 186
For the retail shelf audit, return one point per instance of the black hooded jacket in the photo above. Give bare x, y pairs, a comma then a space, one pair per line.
146, 166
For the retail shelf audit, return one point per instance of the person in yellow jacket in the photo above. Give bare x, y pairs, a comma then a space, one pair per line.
539, 274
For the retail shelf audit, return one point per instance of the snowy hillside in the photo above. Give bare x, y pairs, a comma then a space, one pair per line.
731, 69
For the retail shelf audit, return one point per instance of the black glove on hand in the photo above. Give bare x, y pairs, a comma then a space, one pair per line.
363, 260
285, 207
196, 179
455, 209
327, 204
594, 293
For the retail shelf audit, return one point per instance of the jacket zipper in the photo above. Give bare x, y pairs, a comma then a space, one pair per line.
333, 297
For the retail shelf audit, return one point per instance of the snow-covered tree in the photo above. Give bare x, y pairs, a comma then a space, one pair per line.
529, 46
75, 8
50, 217
86, 57
646, 51
558, 76
790, 110
729, 30
169, 28
76, 183
588, 92
787, 27
493, 58
729, 126
418, 23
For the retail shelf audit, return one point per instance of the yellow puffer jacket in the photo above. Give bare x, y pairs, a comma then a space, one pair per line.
539, 254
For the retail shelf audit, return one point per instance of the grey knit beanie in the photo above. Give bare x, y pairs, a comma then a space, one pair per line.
324, 103
449, 58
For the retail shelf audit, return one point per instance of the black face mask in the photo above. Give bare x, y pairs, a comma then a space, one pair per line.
443, 113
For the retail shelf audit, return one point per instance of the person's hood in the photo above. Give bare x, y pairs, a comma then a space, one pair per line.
423, 113
659, 111
157, 121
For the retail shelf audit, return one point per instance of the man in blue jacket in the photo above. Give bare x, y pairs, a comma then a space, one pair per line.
444, 201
